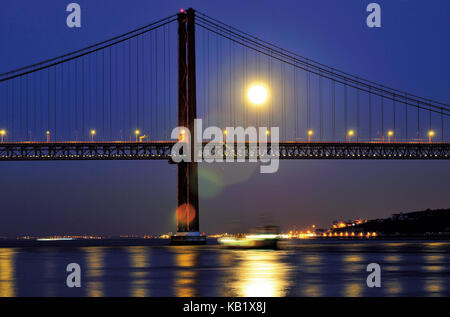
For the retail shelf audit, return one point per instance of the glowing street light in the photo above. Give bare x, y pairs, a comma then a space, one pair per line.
390, 134
93, 132
430, 135
310, 134
225, 135
48, 136
350, 133
2, 134
137, 132
181, 136
257, 94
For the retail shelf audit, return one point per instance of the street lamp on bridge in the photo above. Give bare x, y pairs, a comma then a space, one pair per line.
137, 132
350, 133
257, 94
2, 134
390, 134
47, 133
93, 132
430, 135
310, 134
181, 136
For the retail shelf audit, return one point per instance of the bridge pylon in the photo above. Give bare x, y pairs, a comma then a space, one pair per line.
188, 229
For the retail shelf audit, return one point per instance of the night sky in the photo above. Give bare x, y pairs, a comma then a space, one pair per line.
409, 52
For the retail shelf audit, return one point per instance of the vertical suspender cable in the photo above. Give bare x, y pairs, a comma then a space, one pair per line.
357, 116
320, 108
62, 107
382, 118
271, 87
27, 108
137, 82
229, 87
406, 118
429, 125
110, 95
418, 121
129, 91
7, 104
283, 121
345, 110
54, 104
333, 108
20, 108
152, 129
207, 79
296, 104
156, 81
370, 115
164, 83
169, 75
75, 100
103, 95
116, 80
393, 108
217, 82
308, 94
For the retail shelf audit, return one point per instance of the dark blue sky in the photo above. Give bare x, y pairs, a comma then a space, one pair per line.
410, 52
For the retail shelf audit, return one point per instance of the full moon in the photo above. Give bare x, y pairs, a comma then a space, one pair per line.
257, 94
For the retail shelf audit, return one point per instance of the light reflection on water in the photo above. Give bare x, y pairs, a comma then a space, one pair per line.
311, 268
186, 274
259, 274
7, 278
353, 263
312, 263
139, 264
95, 269
353, 289
393, 287
434, 287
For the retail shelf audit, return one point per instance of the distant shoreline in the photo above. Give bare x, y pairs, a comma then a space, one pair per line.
117, 242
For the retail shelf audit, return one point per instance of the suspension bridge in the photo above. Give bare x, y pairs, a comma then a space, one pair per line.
121, 98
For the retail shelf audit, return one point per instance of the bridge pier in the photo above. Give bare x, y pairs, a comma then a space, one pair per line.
188, 229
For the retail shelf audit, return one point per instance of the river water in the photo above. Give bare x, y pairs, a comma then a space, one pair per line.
301, 268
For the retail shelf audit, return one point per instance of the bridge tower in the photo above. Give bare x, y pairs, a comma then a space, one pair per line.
188, 230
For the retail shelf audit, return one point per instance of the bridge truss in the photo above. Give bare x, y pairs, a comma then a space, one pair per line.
162, 150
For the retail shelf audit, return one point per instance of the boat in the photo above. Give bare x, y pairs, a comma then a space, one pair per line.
260, 238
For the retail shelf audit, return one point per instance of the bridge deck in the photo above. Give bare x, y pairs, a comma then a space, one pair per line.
161, 150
